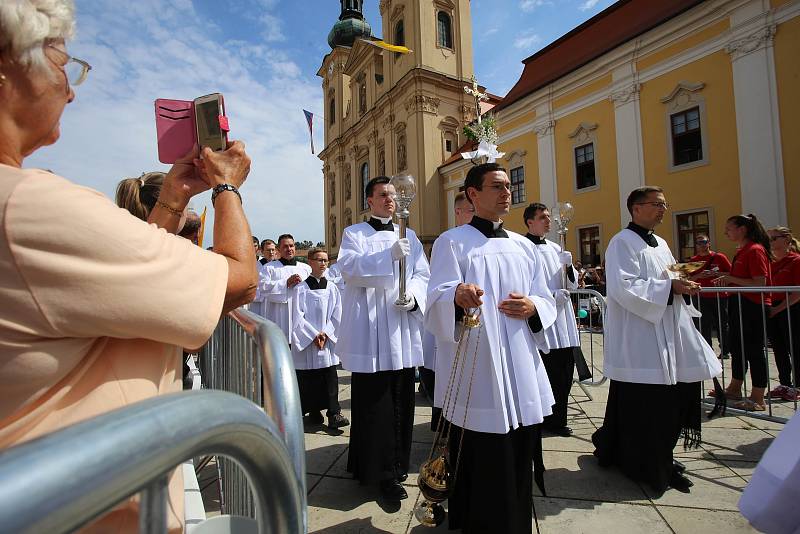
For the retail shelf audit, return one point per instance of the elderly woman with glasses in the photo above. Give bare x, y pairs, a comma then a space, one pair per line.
95, 303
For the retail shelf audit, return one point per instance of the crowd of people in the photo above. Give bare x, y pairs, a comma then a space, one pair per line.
98, 303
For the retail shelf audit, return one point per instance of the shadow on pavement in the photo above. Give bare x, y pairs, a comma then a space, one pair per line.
359, 526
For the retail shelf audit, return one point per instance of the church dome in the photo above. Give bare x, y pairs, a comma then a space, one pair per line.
350, 26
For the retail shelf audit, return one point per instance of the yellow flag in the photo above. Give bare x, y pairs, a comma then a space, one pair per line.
390, 47
202, 227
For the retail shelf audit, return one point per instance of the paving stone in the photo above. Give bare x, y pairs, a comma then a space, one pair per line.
736, 444
344, 506
558, 516
571, 475
322, 451
687, 520
715, 488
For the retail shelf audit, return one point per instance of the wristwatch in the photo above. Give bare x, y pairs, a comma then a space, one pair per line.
223, 187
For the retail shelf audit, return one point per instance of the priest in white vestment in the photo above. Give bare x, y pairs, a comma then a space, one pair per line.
277, 284
381, 342
563, 342
653, 354
316, 316
504, 392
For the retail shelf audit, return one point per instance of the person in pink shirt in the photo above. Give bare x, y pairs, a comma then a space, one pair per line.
95, 303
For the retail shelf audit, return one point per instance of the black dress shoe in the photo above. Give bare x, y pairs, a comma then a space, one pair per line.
678, 467
337, 420
680, 482
392, 490
315, 418
403, 477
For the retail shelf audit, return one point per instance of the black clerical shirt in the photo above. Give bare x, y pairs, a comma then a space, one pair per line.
644, 233
486, 227
379, 226
286, 262
313, 283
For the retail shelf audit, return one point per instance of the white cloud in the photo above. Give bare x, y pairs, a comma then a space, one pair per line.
163, 49
531, 5
588, 4
527, 40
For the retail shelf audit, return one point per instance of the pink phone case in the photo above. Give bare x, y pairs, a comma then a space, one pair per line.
175, 128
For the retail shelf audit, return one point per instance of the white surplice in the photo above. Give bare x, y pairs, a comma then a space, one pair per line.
646, 340
510, 387
564, 331
315, 311
375, 334
258, 306
278, 295
334, 274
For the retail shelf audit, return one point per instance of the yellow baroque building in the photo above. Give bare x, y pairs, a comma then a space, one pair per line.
697, 96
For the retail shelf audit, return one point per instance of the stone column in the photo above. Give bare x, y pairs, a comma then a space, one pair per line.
763, 189
548, 182
630, 154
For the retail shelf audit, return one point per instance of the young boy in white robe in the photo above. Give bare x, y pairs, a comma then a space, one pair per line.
653, 354
317, 312
495, 410
278, 279
381, 341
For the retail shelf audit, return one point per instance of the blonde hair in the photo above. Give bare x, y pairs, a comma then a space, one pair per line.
139, 195
794, 244
27, 25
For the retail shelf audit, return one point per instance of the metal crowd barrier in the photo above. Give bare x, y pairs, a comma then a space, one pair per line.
592, 328
779, 411
62, 481
249, 356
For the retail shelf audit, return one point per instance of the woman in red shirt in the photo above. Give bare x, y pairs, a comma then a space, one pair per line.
782, 324
713, 306
750, 267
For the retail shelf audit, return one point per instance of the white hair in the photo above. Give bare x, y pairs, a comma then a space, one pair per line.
25, 26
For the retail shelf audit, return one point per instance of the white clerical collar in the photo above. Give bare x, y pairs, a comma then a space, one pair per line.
384, 220
497, 224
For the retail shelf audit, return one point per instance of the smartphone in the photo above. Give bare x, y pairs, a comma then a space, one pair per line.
208, 111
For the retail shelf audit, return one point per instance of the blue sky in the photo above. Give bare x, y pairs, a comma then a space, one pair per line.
263, 55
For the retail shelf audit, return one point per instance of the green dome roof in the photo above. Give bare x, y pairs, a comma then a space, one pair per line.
346, 31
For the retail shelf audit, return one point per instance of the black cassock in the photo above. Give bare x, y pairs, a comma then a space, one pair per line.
382, 418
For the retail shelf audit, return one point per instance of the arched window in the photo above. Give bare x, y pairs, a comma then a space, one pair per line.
364, 181
445, 34
332, 111
399, 36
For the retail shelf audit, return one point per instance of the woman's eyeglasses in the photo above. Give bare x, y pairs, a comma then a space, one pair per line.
75, 69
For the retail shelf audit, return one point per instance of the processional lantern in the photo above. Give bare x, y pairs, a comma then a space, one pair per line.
562, 215
405, 189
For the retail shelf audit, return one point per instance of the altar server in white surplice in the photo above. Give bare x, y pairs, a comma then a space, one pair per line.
499, 407
562, 338
277, 283
317, 312
654, 355
381, 342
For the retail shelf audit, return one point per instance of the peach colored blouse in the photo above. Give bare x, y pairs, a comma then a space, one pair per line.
94, 307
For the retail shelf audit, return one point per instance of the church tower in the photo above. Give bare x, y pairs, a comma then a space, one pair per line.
387, 113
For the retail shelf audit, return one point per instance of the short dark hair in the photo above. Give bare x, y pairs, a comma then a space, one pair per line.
378, 180
267, 242
314, 251
285, 236
530, 211
255, 240
475, 176
641, 193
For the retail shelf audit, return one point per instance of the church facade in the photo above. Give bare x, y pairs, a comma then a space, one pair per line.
697, 96
387, 113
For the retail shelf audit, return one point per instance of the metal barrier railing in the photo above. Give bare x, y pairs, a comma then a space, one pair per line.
249, 356
594, 303
61, 481
752, 328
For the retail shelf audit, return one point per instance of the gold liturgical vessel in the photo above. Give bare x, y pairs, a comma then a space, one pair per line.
687, 269
437, 477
